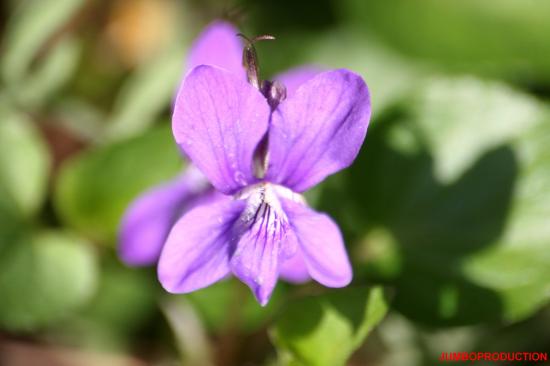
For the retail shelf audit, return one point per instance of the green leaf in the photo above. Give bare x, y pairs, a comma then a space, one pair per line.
51, 74
29, 28
456, 180
388, 76
95, 187
466, 35
88, 126
484, 226
24, 162
326, 329
518, 267
44, 277
479, 116
12, 225
229, 303
149, 92
107, 322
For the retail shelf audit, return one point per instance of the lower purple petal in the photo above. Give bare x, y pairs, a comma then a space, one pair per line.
149, 218
265, 239
199, 246
294, 269
321, 244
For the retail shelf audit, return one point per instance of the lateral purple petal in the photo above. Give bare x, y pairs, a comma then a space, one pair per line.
294, 269
319, 130
199, 246
219, 120
321, 244
294, 78
218, 45
149, 218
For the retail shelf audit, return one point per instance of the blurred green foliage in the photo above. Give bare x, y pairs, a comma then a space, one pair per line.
498, 38
460, 218
213, 302
447, 204
326, 329
95, 187
57, 272
29, 28
24, 162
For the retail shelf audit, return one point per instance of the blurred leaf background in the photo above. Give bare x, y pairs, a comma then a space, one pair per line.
445, 212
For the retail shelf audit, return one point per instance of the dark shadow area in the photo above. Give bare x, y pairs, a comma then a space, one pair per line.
436, 234
294, 24
313, 15
11, 227
435, 226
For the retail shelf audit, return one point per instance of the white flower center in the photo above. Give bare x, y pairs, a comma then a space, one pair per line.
268, 193
265, 196
264, 214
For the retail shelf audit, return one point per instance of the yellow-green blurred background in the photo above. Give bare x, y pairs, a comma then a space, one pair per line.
447, 207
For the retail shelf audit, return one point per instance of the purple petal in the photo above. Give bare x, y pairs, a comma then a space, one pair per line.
321, 244
319, 130
218, 45
262, 245
149, 218
198, 248
294, 78
219, 120
294, 269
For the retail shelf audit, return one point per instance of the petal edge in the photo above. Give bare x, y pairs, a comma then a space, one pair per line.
321, 244
199, 246
319, 130
147, 221
219, 120
218, 45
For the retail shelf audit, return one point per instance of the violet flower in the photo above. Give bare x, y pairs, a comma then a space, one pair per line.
261, 151
148, 220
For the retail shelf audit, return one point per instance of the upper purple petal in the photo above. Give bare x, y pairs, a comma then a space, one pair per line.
292, 79
149, 218
318, 130
321, 244
218, 45
199, 247
219, 120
